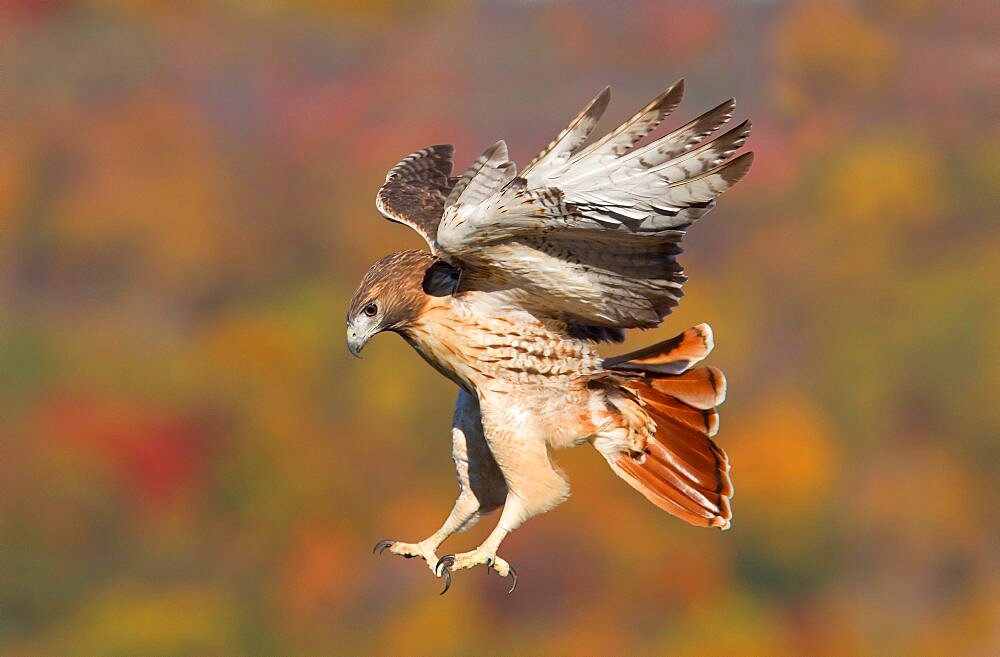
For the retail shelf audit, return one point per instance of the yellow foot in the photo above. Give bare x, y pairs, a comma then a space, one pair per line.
452, 562
409, 551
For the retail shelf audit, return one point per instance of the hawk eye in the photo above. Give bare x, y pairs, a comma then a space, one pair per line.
370, 310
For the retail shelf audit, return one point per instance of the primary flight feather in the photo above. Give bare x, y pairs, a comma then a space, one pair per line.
525, 272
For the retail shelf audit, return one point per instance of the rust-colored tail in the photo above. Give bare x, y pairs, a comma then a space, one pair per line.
682, 470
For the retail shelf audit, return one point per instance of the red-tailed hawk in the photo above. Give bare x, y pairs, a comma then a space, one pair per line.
526, 271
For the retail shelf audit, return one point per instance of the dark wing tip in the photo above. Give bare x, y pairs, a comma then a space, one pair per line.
736, 169
745, 127
722, 112
672, 96
600, 102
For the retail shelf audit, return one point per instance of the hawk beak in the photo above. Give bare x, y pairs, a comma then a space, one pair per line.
355, 342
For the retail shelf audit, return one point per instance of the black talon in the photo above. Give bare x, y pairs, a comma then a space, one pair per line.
447, 561
443, 569
381, 546
513, 576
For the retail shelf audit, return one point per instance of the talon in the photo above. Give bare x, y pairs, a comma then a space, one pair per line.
513, 576
443, 569
447, 561
381, 546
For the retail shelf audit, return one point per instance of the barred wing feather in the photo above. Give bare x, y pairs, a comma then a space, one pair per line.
416, 189
591, 235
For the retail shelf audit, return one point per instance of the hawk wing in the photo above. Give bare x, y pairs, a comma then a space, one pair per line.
415, 190
590, 235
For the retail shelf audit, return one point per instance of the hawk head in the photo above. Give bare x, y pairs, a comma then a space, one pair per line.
394, 292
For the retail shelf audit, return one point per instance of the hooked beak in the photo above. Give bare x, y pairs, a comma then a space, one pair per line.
355, 342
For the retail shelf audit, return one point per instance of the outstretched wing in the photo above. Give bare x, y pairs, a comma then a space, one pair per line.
416, 189
590, 235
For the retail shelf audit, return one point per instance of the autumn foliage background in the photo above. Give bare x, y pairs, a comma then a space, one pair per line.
192, 463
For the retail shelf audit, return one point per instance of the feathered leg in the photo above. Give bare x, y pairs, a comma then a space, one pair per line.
534, 483
480, 482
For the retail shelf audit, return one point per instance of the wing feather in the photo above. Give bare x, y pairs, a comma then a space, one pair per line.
685, 137
620, 140
488, 173
568, 142
591, 236
415, 190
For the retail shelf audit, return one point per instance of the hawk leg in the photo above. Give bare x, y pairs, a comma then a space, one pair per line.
462, 515
484, 555
481, 485
534, 485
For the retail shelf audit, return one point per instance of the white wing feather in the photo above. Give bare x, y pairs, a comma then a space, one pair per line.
590, 235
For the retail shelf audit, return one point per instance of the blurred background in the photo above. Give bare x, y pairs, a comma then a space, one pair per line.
192, 463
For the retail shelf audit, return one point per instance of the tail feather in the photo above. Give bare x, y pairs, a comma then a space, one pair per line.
673, 356
702, 387
681, 470
679, 414
686, 453
662, 493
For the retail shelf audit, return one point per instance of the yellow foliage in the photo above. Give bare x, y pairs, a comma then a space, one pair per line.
884, 184
17, 160
127, 619
432, 625
834, 49
262, 351
875, 196
363, 13
186, 195
748, 628
147, 177
789, 96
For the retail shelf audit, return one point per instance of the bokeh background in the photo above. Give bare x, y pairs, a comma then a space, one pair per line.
192, 463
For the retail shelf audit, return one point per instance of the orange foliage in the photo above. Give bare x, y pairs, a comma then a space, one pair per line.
192, 463
834, 49
785, 458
